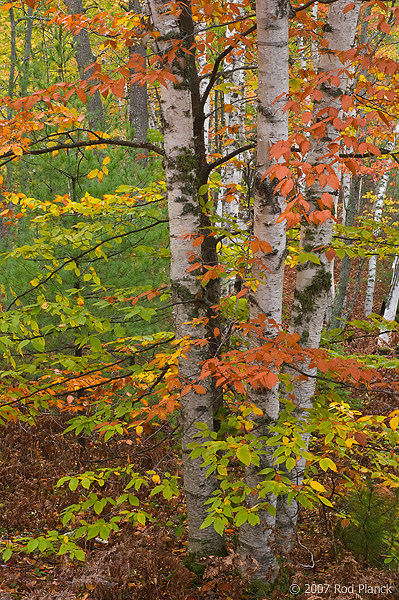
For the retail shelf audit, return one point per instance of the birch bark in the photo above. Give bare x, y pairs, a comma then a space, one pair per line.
186, 171
313, 281
350, 201
379, 205
272, 125
391, 303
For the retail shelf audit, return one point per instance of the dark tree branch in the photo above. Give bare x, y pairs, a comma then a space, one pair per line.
297, 9
222, 56
223, 159
85, 144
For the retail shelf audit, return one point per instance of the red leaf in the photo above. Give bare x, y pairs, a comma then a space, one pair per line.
349, 7
81, 95
385, 27
327, 200
330, 254
199, 389
346, 102
361, 438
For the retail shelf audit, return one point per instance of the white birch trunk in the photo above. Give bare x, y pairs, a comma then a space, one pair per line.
345, 190
181, 163
379, 205
272, 125
202, 62
313, 281
231, 173
314, 45
391, 303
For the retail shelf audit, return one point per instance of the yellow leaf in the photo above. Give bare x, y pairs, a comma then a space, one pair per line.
393, 423
106, 160
156, 478
92, 174
105, 170
317, 486
100, 175
139, 430
295, 84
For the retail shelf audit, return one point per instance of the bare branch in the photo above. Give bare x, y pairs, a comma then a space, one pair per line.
84, 144
223, 159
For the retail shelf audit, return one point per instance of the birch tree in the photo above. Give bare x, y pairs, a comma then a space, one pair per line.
372, 270
313, 281
186, 171
272, 125
391, 305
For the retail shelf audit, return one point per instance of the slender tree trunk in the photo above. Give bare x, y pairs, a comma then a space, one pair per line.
138, 94
379, 205
27, 53
84, 57
11, 84
356, 289
272, 125
342, 289
186, 171
232, 173
313, 281
391, 305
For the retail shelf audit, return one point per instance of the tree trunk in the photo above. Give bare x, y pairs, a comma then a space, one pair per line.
138, 96
313, 281
272, 125
379, 205
185, 169
84, 57
391, 305
342, 288
27, 53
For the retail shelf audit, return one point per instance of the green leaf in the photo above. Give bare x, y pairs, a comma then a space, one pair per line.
141, 518
7, 554
244, 455
253, 519
203, 190
98, 507
32, 545
79, 554
95, 344
290, 463
73, 484
327, 463
241, 518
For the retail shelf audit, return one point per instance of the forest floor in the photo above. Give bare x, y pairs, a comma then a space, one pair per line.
150, 562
